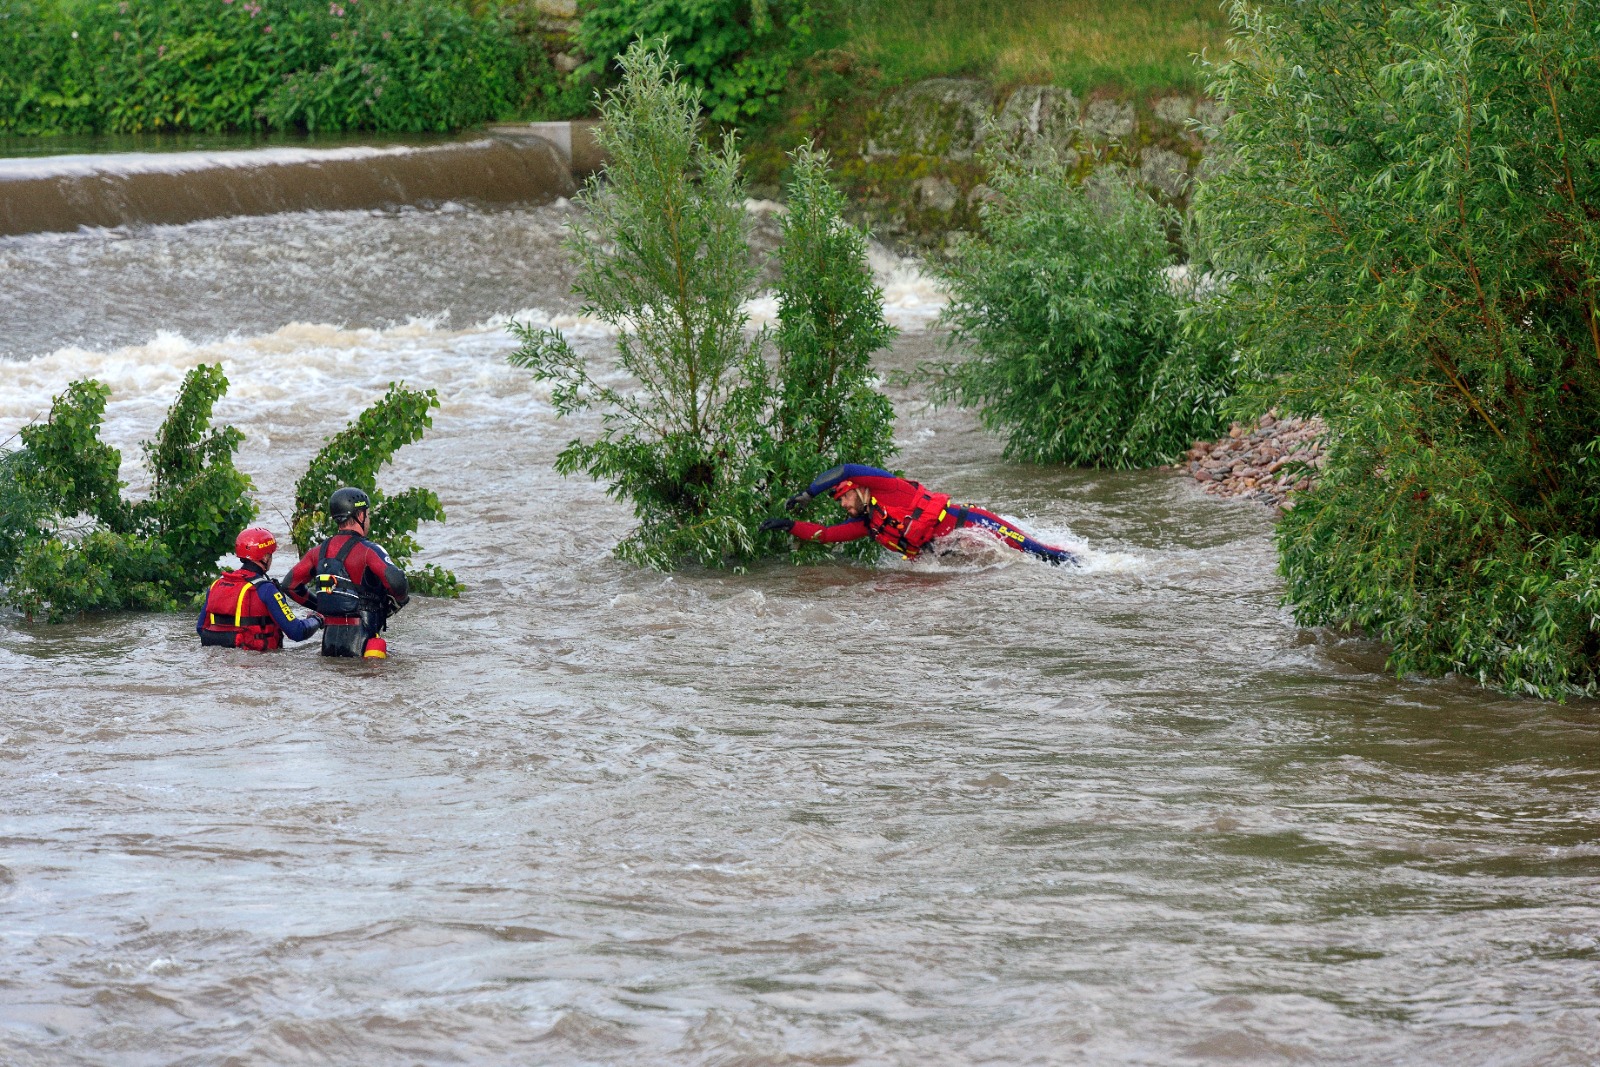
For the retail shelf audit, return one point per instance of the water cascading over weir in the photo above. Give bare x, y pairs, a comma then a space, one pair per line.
523, 163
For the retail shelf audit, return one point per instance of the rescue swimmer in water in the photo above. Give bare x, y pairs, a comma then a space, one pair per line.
350, 581
245, 608
903, 516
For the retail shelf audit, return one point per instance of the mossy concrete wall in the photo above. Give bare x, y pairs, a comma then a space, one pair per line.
912, 159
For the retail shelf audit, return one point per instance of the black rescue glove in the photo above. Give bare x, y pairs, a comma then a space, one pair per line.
796, 502
778, 524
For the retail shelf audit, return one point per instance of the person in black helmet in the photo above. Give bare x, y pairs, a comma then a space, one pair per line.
350, 581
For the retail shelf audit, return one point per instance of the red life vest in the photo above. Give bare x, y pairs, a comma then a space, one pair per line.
235, 616
908, 533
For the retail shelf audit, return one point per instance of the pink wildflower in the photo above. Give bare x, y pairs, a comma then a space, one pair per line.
336, 11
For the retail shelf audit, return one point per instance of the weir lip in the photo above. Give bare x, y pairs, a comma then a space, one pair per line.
64, 193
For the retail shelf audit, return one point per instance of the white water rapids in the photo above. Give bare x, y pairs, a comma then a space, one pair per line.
992, 812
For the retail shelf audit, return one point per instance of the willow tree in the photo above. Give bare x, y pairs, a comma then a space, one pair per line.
1079, 348
698, 434
1411, 222
826, 408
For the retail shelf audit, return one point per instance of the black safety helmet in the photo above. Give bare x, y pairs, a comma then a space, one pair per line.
344, 503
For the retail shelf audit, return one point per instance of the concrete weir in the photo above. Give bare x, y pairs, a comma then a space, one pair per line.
526, 163
575, 141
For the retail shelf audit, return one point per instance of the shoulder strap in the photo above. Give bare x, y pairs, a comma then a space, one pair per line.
349, 546
353, 539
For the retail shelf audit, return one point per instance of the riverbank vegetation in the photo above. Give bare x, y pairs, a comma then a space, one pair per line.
139, 66
709, 439
1412, 246
1078, 44
70, 542
1079, 353
136, 66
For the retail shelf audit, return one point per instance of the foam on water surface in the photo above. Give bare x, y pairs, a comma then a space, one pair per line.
993, 811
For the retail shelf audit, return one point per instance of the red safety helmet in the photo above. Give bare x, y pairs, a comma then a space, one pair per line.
842, 488
255, 544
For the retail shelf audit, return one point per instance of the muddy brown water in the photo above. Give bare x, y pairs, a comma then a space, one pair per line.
980, 811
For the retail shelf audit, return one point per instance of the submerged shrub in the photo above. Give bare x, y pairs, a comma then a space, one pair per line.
705, 440
353, 457
827, 409
1080, 355
70, 543
1411, 223
665, 261
198, 499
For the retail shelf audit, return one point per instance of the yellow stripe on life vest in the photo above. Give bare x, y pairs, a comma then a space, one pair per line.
238, 609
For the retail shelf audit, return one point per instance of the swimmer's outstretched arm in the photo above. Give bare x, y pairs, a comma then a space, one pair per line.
852, 530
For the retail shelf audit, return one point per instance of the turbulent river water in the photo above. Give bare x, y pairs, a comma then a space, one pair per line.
982, 812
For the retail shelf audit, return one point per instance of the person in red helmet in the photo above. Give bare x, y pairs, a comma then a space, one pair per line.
902, 516
245, 608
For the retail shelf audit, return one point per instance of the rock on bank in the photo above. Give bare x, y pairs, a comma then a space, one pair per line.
1267, 462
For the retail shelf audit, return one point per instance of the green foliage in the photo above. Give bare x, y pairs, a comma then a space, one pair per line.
353, 457
1080, 352
1080, 44
827, 409
737, 53
1411, 222
403, 66
102, 570
707, 442
70, 543
198, 501
65, 465
665, 260
128, 66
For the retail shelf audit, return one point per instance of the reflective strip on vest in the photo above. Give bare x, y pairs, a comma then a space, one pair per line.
238, 609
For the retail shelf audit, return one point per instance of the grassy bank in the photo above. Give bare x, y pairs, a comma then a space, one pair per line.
1135, 46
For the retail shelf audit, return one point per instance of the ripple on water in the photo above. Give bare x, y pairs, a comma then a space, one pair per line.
958, 811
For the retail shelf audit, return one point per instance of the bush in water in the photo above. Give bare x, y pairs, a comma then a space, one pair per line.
827, 409
707, 443
70, 543
737, 53
198, 498
1081, 356
353, 457
1412, 225
129, 66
